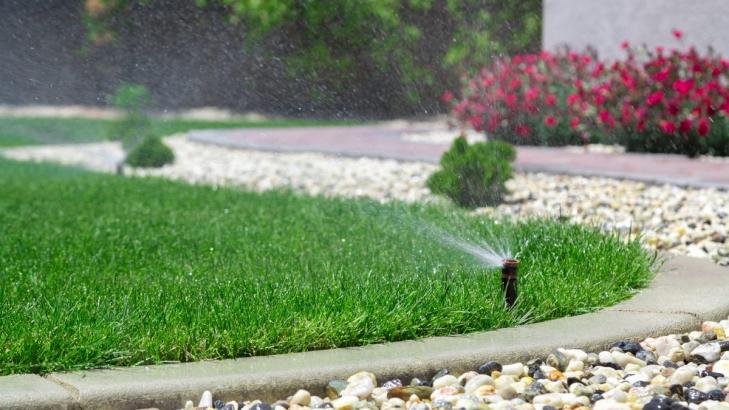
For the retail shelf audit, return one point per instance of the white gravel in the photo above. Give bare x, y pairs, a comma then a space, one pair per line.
682, 220
199, 163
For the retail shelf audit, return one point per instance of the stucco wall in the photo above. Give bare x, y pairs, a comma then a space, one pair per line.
604, 24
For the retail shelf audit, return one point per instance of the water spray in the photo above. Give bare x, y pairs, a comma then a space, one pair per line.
509, 278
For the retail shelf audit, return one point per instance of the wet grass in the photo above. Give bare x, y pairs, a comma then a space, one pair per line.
98, 270
16, 131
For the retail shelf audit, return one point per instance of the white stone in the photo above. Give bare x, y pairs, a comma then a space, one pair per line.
476, 382
360, 385
605, 357
574, 366
607, 404
709, 351
516, 370
683, 375
722, 366
206, 400
301, 397
706, 384
345, 403
548, 399
443, 381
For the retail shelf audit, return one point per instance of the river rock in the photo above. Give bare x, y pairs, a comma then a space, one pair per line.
477, 382
722, 366
404, 393
345, 403
446, 380
335, 388
516, 370
490, 367
206, 400
360, 385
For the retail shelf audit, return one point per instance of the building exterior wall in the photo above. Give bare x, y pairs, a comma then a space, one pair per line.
604, 24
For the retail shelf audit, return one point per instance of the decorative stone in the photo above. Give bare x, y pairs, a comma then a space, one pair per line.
446, 380
345, 403
477, 382
335, 388
404, 393
683, 375
695, 396
392, 383
516, 370
489, 367
206, 400
301, 397
557, 360
722, 366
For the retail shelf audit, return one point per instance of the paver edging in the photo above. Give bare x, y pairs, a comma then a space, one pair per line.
664, 307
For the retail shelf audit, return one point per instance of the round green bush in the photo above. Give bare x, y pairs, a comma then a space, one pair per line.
474, 175
151, 152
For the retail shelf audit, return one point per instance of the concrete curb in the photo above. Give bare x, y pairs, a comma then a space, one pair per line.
685, 292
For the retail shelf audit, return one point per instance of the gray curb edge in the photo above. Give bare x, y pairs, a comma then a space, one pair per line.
686, 292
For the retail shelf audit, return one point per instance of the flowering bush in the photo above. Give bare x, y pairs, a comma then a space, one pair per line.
653, 101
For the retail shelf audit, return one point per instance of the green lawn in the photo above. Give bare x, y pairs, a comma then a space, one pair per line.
99, 270
32, 131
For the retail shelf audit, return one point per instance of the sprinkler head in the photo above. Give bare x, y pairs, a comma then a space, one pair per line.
509, 279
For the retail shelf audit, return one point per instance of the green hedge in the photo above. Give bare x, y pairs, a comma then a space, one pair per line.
391, 56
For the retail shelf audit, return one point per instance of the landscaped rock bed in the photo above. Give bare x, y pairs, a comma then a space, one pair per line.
667, 372
681, 220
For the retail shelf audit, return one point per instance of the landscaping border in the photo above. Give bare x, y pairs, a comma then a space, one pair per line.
684, 293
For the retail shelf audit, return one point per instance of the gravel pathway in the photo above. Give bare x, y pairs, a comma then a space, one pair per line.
686, 371
681, 220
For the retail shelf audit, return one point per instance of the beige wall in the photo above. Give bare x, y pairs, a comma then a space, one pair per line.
604, 24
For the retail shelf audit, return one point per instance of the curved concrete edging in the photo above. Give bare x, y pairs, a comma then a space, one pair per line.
686, 292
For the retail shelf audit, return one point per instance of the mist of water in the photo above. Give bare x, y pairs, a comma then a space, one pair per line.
490, 255
490, 252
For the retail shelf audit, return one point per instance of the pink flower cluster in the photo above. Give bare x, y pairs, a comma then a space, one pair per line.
653, 100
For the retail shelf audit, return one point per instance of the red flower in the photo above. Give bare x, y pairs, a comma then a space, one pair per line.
673, 108
654, 98
703, 127
683, 86
685, 125
575, 123
523, 130
447, 97
668, 127
607, 119
550, 121
477, 122
661, 76
625, 44
511, 100
573, 99
550, 100
531, 94
597, 72
677, 33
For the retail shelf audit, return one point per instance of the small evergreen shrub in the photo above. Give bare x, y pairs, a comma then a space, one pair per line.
474, 175
151, 152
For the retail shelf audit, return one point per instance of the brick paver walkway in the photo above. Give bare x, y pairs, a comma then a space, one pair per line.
382, 141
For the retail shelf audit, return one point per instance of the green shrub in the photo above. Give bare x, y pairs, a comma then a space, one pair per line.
151, 152
474, 175
133, 100
394, 56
